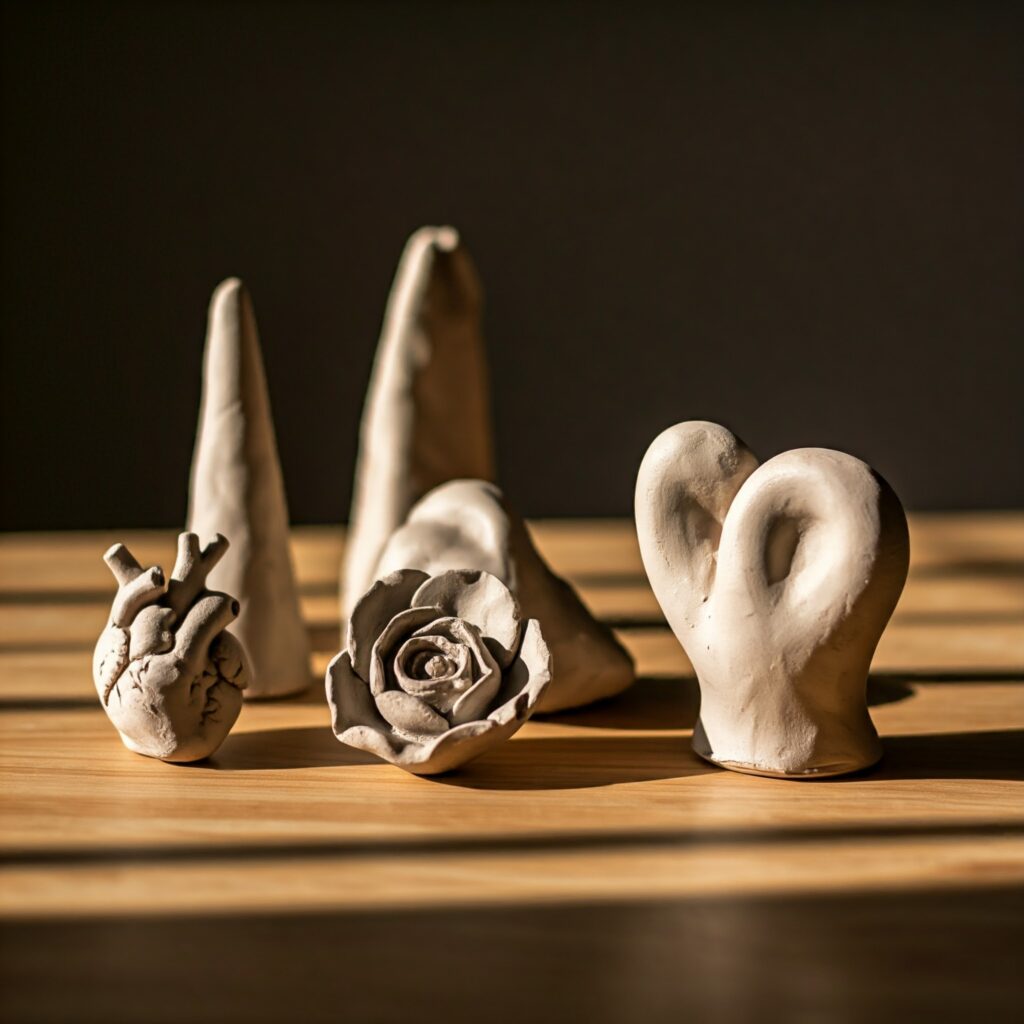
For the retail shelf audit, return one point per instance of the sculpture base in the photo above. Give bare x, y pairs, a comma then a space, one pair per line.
827, 771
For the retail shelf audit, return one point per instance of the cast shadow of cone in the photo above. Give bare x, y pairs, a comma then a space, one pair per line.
665, 702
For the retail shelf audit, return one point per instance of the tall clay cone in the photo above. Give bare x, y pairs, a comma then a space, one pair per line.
427, 414
237, 490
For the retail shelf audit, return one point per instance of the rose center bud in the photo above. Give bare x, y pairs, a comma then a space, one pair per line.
435, 670
438, 666
430, 664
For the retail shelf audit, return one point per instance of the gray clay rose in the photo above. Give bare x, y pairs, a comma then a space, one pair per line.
437, 669
167, 673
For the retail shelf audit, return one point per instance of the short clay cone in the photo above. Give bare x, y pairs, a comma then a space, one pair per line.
468, 524
237, 490
427, 414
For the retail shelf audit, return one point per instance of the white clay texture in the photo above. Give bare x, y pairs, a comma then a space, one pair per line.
436, 670
167, 673
427, 413
778, 581
237, 490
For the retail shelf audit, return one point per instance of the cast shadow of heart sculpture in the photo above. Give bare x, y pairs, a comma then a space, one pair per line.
996, 755
673, 702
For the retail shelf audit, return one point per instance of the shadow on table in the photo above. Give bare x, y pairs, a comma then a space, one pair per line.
996, 755
572, 762
579, 762
301, 747
667, 702
672, 702
542, 762
935, 954
999, 567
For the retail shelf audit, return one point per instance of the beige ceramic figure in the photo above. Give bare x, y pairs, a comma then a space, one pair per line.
468, 524
778, 581
168, 675
427, 416
436, 670
237, 490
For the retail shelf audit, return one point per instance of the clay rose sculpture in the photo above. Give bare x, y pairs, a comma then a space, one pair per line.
778, 581
437, 669
168, 675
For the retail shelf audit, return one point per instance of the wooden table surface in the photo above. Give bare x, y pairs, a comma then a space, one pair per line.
593, 868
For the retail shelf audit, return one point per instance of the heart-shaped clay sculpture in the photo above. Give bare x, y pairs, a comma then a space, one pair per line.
778, 581
168, 675
468, 524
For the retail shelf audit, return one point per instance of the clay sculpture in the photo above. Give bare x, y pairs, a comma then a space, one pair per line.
436, 670
468, 524
168, 675
237, 490
427, 417
778, 581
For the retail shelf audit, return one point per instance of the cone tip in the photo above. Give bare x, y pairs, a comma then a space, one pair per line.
446, 238
442, 239
230, 287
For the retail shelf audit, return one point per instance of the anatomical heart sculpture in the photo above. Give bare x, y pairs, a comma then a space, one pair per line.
778, 581
167, 673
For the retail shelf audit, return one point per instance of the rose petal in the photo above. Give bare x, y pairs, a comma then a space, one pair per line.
374, 610
474, 703
382, 742
438, 755
412, 717
480, 599
527, 678
394, 632
349, 697
442, 754
453, 749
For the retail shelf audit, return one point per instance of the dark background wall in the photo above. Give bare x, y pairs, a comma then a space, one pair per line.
804, 221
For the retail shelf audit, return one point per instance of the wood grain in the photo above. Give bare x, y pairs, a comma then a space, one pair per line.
594, 840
